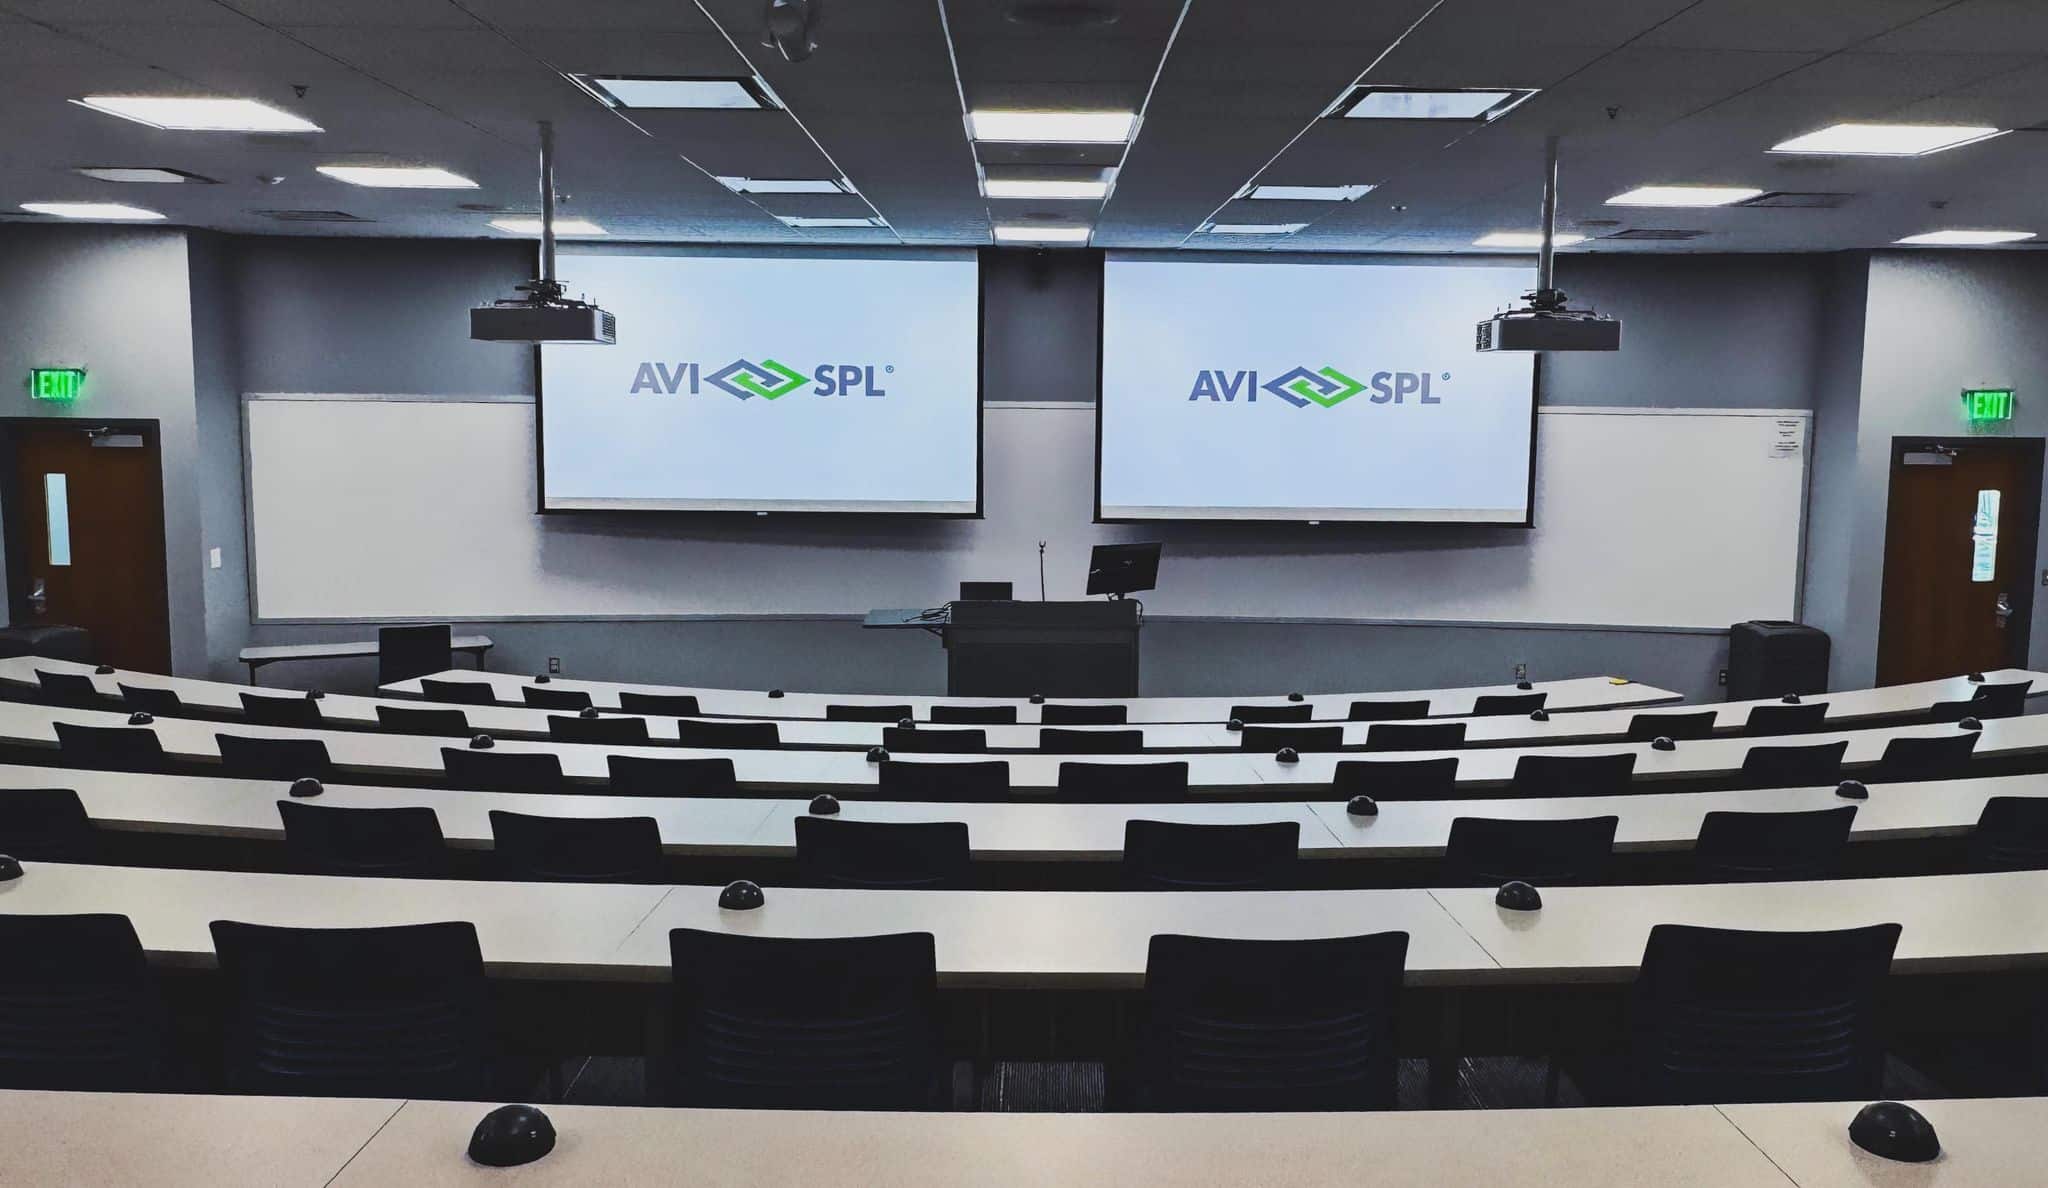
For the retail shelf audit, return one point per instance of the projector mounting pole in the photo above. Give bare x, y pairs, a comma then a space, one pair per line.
1546, 296
547, 205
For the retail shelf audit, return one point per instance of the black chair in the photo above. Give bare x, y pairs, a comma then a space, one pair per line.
1793, 766
503, 771
1489, 705
1124, 783
535, 697
1304, 739
1419, 736
46, 824
1803, 717
72, 689
1573, 775
1258, 1025
1989, 701
974, 715
660, 705
458, 692
633, 775
1396, 779
923, 741
1645, 727
1055, 741
1171, 856
376, 842
926, 854
2011, 834
281, 711
440, 723
109, 748
1939, 757
407, 652
611, 729
356, 1012
771, 1023
1053, 714
79, 1008
891, 714
1760, 847
1388, 711
735, 736
274, 758
1489, 851
978, 782
575, 849
1719, 1015
164, 703
1272, 714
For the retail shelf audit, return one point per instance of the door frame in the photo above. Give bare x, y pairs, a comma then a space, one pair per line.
2026, 525
151, 431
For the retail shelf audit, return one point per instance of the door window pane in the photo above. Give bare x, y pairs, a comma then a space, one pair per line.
57, 500
1984, 538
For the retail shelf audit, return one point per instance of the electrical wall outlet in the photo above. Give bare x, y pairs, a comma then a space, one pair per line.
1723, 679
554, 666
1521, 672
213, 558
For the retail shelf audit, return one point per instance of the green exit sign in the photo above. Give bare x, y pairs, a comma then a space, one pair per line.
1987, 404
55, 383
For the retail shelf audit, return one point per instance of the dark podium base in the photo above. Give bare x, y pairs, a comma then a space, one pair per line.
1060, 649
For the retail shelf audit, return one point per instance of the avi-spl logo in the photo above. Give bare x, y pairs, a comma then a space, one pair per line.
768, 379
1325, 386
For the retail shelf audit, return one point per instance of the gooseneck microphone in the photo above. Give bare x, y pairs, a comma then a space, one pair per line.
1041, 571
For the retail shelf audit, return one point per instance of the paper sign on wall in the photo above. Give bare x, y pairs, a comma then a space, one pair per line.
1788, 439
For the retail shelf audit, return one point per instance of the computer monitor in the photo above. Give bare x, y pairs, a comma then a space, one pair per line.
985, 592
1122, 569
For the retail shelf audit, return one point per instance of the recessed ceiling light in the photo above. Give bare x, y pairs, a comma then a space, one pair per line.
1960, 238
1886, 140
91, 210
1045, 188
1306, 193
1684, 196
398, 177
1526, 240
1425, 103
785, 185
817, 221
1253, 228
1032, 233
150, 174
718, 94
531, 226
1052, 127
198, 115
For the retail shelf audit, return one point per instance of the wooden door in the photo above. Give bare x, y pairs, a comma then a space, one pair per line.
1958, 557
87, 511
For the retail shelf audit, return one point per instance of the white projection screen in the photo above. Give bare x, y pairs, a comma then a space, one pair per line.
768, 383
1293, 390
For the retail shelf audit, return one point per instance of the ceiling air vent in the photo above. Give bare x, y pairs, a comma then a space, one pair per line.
1796, 200
311, 216
1654, 233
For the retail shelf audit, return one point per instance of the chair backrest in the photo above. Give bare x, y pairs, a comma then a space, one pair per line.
535, 697
503, 771
1488, 705
635, 775
974, 715
109, 748
1766, 766
1489, 851
1573, 775
73, 689
1055, 714
48, 824
380, 842
1263, 1025
281, 711
407, 652
1171, 856
921, 740
840, 853
273, 758
736, 736
79, 1009
1939, 757
165, 703
1396, 779
1415, 736
1645, 727
441, 723
1758, 847
355, 1012
1719, 1015
1272, 714
1799, 718
1304, 739
460, 692
834, 1023
2008, 700
2011, 834
575, 849
1124, 783
891, 714
1055, 741
1388, 711
606, 729
982, 782
660, 705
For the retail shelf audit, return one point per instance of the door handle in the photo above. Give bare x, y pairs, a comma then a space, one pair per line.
38, 598
2003, 609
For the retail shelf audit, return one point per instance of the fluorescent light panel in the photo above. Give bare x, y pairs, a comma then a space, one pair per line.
1052, 127
1306, 193
1962, 238
1886, 140
1525, 240
398, 177
1027, 233
1043, 188
140, 173
1421, 103
1253, 228
104, 211
1684, 196
178, 114
821, 222
531, 226
785, 185
715, 94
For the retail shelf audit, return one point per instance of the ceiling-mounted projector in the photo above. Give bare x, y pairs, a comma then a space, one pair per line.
542, 313
1546, 323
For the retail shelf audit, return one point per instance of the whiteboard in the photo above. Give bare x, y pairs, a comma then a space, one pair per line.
374, 508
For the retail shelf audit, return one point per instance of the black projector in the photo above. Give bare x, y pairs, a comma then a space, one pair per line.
523, 322
1542, 330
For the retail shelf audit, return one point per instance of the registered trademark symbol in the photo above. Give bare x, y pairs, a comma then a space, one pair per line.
890, 368
1447, 375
